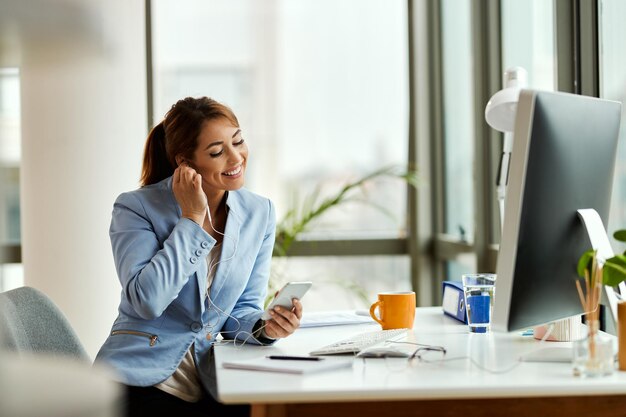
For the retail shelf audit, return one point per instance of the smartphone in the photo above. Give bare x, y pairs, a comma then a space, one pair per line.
290, 291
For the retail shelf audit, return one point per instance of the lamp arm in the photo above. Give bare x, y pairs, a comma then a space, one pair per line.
503, 173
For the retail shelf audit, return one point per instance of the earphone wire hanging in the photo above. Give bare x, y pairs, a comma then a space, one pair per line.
209, 327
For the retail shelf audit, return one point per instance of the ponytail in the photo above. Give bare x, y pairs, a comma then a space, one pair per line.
182, 126
156, 165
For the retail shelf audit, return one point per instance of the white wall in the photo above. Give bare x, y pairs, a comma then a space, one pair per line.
83, 128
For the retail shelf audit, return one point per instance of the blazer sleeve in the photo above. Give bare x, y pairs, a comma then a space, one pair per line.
151, 275
248, 308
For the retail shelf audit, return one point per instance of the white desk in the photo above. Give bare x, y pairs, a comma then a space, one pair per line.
392, 387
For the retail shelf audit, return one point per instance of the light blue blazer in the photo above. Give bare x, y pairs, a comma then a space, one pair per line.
161, 264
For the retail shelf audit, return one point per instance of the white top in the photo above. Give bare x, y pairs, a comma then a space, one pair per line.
470, 369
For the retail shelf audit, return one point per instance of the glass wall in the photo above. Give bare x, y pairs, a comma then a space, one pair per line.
321, 90
612, 61
458, 117
318, 108
458, 126
528, 40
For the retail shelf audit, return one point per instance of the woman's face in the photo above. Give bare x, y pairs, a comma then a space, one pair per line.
221, 156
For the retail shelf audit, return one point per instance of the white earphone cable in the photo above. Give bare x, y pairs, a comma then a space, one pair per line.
221, 313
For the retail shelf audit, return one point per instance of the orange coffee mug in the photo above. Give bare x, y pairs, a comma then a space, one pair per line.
397, 310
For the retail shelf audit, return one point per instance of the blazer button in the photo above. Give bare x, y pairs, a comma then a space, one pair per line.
196, 327
205, 244
199, 252
193, 259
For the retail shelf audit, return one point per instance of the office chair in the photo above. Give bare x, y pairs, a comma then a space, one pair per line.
57, 367
30, 322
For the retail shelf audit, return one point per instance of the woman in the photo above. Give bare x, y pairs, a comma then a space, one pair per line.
192, 250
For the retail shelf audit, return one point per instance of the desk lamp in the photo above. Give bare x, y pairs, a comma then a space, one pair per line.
500, 115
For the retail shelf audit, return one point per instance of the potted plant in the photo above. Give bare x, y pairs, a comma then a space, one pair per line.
303, 215
593, 356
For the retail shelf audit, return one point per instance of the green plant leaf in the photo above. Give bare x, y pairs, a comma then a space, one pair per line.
304, 212
301, 216
614, 270
620, 235
585, 262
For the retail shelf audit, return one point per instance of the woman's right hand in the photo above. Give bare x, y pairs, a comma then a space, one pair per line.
187, 187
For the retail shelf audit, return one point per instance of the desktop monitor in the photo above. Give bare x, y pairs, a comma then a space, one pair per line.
562, 160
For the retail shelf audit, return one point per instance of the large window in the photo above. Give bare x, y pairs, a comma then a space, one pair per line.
458, 128
478, 41
321, 91
528, 40
612, 51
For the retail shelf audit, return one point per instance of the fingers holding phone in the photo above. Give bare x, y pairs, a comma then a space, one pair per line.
284, 321
283, 315
187, 188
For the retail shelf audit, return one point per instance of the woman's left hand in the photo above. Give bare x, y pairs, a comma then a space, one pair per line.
283, 321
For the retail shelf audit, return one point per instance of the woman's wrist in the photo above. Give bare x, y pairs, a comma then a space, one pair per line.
258, 331
195, 217
265, 336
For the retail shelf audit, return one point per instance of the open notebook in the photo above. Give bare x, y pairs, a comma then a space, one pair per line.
289, 366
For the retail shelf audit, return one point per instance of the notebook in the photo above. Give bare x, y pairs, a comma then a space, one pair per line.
298, 367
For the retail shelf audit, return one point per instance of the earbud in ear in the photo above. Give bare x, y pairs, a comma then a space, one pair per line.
181, 160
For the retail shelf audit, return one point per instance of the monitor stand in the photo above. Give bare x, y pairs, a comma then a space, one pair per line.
570, 329
564, 330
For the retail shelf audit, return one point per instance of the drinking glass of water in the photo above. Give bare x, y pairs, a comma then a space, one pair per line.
479, 291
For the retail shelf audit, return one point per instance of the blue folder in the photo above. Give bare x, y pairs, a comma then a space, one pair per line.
453, 300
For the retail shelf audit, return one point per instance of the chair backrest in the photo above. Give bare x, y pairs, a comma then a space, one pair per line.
30, 322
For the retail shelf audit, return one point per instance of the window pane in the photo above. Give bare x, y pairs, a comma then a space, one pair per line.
11, 276
612, 15
320, 88
10, 145
347, 282
458, 113
528, 40
464, 264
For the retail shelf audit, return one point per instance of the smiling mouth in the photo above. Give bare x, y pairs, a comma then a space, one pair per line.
233, 172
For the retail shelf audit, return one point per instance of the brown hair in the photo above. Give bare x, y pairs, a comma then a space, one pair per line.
178, 134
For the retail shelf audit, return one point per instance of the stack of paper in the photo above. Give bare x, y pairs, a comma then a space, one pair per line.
333, 318
289, 366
